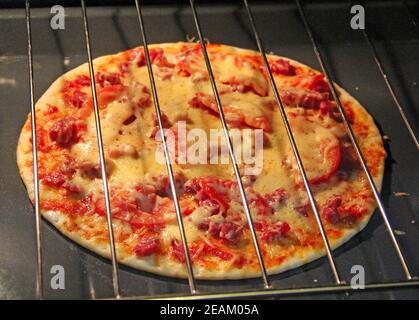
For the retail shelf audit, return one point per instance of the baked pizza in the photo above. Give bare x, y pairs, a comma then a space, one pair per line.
145, 226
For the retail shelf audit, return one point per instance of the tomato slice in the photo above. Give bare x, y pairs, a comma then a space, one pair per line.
319, 150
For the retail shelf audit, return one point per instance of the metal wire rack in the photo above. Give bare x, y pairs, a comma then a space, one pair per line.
340, 285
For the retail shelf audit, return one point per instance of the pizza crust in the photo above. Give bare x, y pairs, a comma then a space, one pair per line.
166, 266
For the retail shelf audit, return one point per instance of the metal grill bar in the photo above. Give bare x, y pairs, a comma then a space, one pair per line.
390, 87
287, 292
293, 144
115, 270
38, 217
353, 140
188, 261
230, 148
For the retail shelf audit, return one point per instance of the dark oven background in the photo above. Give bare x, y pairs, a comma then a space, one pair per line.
115, 28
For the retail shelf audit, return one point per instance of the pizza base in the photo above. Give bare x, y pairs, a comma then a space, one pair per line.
166, 266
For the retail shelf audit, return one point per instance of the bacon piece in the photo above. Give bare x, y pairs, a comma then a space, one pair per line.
91, 170
327, 108
191, 62
108, 94
129, 120
58, 180
276, 197
161, 183
212, 207
303, 209
258, 203
321, 163
164, 73
239, 261
150, 222
81, 81
138, 206
319, 84
158, 57
212, 250
71, 187
53, 179
330, 209
212, 188
215, 195
42, 139
234, 116
171, 134
147, 246
319, 150
68, 166
78, 98
228, 231
146, 198
177, 250
105, 79
165, 122
51, 109
303, 97
275, 232
73, 91
281, 66
140, 94
64, 132
130, 57
246, 85
248, 180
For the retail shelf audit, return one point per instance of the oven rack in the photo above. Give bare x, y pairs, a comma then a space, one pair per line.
340, 285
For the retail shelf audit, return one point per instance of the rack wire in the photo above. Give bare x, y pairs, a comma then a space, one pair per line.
188, 261
38, 218
388, 82
230, 146
339, 286
115, 271
353, 139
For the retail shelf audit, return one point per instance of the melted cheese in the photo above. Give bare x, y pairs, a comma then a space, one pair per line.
174, 94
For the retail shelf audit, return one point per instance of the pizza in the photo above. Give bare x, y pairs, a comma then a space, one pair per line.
219, 240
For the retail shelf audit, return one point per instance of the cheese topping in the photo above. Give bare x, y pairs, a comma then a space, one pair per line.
211, 204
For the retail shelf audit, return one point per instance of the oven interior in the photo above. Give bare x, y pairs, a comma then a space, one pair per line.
114, 27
